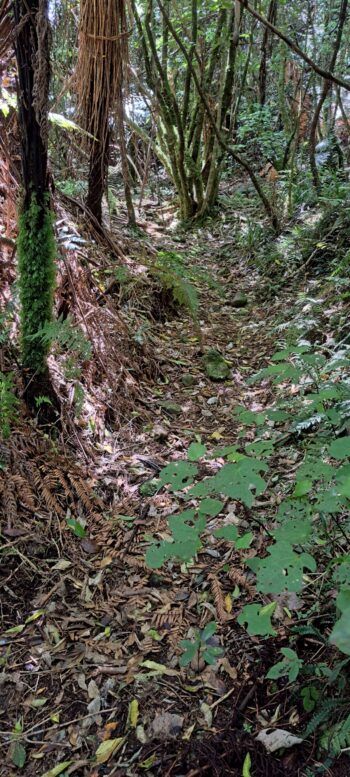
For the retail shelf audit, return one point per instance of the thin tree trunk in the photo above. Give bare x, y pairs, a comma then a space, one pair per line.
265, 51
324, 94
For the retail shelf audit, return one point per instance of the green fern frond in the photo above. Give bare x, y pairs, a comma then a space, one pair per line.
325, 713
336, 738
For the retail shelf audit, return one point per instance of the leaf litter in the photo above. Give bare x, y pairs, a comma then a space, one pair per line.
90, 639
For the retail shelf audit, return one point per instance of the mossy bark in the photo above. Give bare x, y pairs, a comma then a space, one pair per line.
36, 244
36, 266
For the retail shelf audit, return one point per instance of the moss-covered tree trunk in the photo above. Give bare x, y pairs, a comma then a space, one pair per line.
36, 247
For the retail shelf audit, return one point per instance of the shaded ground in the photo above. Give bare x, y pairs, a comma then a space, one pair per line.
93, 652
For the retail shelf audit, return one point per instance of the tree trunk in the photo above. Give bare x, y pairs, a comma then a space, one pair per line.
36, 245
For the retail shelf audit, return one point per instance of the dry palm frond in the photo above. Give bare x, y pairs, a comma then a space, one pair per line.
6, 27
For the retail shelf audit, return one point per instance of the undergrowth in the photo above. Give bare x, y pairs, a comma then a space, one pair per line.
304, 553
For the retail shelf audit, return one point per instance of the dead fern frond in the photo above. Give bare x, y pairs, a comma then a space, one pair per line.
10, 501
239, 579
84, 494
219, 601
24, 492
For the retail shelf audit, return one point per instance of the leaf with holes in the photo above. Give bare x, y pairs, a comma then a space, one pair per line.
178, 475
295, 531
237, 480
282, 570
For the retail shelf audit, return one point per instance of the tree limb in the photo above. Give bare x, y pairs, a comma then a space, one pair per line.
294, 47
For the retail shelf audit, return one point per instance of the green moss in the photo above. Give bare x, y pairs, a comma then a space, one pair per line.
36, 263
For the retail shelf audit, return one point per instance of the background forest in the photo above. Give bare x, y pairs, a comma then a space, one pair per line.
174, 388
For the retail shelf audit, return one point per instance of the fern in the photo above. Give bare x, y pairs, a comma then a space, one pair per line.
8, 403
169, 269
66, 335
309, 631
336, 738
325, 713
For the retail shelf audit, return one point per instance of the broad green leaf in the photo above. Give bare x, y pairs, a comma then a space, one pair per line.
229, 533
107, 749
340, 635
277, 670
211, 655
245, 541
258, 619
211, 507
249, 417
282, 569
238, 481
340, 448
157, 554
302, 487
178, 475
281, 373
310, 696
294, 531
291, 666
18, 754
77, 528
278, 416
208, 631
196, 451
341, 574
190, 648
260, 448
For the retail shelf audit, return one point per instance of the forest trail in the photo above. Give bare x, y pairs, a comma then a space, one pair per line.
92, 636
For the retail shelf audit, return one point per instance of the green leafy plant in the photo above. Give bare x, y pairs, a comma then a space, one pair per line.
17, 749
201, 646
169, 269
70, 340
9, 403
290, 666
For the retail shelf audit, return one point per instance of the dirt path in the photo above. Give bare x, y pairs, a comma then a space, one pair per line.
95, 669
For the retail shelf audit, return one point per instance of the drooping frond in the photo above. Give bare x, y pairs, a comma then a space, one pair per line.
102, 52
6, 27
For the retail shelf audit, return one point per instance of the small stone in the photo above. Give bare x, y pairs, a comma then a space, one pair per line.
167, 725
215, 365
149, 488
171, 407
187, 379
239, 300
160, 433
